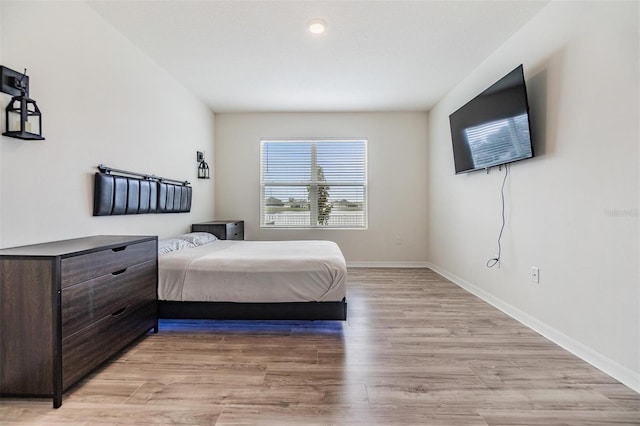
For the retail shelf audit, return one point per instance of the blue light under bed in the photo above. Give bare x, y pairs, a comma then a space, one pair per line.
250, 327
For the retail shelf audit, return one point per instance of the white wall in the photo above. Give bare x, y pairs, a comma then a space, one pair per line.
573, 210
102, 101
397, 160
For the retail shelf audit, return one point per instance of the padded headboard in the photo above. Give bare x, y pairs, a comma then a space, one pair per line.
118, 195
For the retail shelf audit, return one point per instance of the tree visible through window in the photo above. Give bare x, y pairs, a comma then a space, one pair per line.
313, 183
324, 205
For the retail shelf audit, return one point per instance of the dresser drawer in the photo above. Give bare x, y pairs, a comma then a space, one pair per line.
235, 231
87, 349
84, 267
90, 301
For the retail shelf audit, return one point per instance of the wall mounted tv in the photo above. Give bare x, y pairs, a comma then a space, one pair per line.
493, 128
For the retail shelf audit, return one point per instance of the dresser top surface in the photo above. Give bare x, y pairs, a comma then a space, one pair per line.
218, 222
76, 246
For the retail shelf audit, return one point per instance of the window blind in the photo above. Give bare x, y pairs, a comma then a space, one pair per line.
313, 183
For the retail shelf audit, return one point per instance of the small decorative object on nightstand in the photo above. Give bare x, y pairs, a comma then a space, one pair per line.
223, 229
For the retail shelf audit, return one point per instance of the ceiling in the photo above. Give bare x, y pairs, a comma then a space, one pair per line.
240, 56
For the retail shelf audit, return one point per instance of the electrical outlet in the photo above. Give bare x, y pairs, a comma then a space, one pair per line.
535, 274
398, 240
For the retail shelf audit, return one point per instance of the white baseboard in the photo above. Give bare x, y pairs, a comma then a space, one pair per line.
387, 265
610, 367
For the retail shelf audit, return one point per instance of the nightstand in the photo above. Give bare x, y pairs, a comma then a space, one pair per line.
223, 229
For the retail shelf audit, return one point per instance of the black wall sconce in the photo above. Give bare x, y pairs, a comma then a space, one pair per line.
203, 167
23, 117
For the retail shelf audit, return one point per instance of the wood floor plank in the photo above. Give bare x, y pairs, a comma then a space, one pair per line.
559, 417
323, 416
40, 413
415, 350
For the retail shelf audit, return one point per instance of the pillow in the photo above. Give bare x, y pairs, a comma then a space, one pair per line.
173, 244
198, 238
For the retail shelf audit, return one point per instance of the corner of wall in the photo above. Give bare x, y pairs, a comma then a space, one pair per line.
140, 118
566, 213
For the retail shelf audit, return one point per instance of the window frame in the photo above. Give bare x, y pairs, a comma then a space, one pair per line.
313, 206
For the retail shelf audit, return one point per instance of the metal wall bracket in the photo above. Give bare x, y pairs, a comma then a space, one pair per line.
11, 80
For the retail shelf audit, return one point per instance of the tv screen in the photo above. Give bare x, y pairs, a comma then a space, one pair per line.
493, 128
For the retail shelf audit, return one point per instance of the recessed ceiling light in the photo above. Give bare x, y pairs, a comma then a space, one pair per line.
317, 26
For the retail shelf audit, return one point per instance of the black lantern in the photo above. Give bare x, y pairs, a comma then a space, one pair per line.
203, 167
23, 119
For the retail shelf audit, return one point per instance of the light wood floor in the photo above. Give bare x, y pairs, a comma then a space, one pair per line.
416, 350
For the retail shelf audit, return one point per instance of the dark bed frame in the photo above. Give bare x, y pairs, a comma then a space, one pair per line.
253, 311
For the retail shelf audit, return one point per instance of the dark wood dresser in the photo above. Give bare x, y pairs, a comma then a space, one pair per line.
223, 229
68, 306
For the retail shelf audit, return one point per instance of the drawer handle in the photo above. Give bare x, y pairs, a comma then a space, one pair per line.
117, 249
121, 271
118, 312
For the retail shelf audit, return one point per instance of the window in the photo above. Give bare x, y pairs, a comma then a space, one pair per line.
313, 183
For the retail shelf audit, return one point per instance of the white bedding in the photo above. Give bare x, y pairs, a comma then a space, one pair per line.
254, 271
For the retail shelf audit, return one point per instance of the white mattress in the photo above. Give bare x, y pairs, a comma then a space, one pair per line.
254, 271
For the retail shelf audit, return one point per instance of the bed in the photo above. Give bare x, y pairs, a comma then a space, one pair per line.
201, 277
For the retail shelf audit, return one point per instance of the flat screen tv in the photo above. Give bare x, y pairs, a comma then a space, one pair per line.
493, 128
